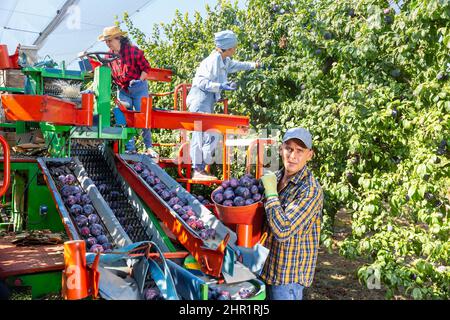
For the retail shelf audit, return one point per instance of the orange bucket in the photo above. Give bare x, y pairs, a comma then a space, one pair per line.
248, 221
75, 279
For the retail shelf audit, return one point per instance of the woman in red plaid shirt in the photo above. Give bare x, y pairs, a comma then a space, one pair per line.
130, 74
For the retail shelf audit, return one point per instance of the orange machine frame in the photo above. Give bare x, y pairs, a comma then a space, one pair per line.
37, 108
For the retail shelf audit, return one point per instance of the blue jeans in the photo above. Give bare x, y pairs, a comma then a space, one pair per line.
203, 144
133, 98
291, 291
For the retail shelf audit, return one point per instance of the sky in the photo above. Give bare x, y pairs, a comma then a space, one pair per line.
22, 20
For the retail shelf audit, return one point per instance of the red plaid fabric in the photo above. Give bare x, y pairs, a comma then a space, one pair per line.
129, 66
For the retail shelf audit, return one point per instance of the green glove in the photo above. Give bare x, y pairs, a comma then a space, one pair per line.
270, 182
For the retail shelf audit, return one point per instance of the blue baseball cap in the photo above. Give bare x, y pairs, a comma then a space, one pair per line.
225, 39
301, 134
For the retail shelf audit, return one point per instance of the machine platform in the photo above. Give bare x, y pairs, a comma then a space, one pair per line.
19, 260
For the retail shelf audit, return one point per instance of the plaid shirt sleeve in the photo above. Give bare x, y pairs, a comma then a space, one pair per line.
141, 61
297, 215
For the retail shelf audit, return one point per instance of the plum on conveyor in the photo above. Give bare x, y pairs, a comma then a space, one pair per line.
80, 207
180, 206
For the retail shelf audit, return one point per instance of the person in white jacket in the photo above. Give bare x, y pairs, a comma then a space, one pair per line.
209, 81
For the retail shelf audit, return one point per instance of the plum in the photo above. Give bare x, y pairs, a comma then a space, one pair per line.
71, 200
228, 203
245, 293
173, 200
76, 209
185, 217
88, 209
220, 189
203, 234
173, 193
228, 195
85, 199
182, 202
224, 295
101, 239
152, 294
165, 195
150, 180
91, 241
228, 189
192, 222
158, 187
84, 231
70, 179
81, 221
257, 197
205, 202
245, 193
138, 167
200, 198
145, 173
254, 189
176, 207
239, 201
200, 224
188, 209
97, 248
261, 188
66, 191
218, 197
96, 229
158, 180
62, 179
107, 246
77, 197
93, 218
248, 202
246, 182
225, 184
234, 183
76, 190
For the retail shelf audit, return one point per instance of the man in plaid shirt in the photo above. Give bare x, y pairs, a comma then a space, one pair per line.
130, 74
293, 212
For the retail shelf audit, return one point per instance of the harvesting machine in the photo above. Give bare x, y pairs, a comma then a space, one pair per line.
86, 173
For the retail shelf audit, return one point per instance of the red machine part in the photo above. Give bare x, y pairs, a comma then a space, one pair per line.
160, 75
7, 61
211, 261
6, 166
191, 121
36, 108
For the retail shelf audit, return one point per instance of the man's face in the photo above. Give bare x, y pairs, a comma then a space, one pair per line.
294, 156
113, 44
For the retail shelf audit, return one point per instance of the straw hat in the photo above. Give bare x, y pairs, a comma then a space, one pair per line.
111, 32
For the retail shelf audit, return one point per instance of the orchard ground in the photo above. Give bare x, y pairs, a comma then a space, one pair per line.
336, 277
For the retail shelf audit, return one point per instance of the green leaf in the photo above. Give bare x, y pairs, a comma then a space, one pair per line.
417, 294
